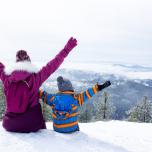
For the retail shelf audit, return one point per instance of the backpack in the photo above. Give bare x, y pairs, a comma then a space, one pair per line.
63, 106
22, 95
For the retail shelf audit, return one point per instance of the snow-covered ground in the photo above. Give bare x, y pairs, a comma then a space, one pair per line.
112, 136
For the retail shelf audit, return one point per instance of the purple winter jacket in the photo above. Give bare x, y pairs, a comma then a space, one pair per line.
21, 87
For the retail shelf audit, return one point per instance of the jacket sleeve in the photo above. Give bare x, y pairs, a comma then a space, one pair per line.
46, 97
86, 95
2, 74
51, 67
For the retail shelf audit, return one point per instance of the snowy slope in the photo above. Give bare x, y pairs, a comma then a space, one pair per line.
113, 136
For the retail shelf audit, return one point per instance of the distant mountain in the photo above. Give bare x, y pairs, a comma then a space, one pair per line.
134, 67
124, 92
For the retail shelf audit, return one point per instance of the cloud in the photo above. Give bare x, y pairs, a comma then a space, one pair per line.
109, 29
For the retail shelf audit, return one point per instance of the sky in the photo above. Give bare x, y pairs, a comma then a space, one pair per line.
106, 30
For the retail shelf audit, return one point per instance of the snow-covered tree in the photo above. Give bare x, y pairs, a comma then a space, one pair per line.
86, 112
104, 108
46, 110
142, 112
2, 101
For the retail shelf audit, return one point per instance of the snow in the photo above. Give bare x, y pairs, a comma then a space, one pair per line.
112, 136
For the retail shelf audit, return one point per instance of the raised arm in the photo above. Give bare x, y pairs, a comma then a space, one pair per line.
86, 95
54, 64
46, 97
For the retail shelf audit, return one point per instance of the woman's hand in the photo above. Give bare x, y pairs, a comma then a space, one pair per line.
72, 42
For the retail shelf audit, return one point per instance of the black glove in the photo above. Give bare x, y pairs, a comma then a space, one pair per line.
105, 85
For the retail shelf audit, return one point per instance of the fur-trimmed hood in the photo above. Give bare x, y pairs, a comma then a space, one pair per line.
20, 70
21, 66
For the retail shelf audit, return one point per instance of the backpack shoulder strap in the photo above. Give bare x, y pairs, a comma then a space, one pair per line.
26, 83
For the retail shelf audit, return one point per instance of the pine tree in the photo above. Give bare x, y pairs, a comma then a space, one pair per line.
105, 105
104, 108
86, 113
142, 112
47, 111
2, 102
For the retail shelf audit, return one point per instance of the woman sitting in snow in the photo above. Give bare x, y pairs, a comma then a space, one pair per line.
65, 104
21, 87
